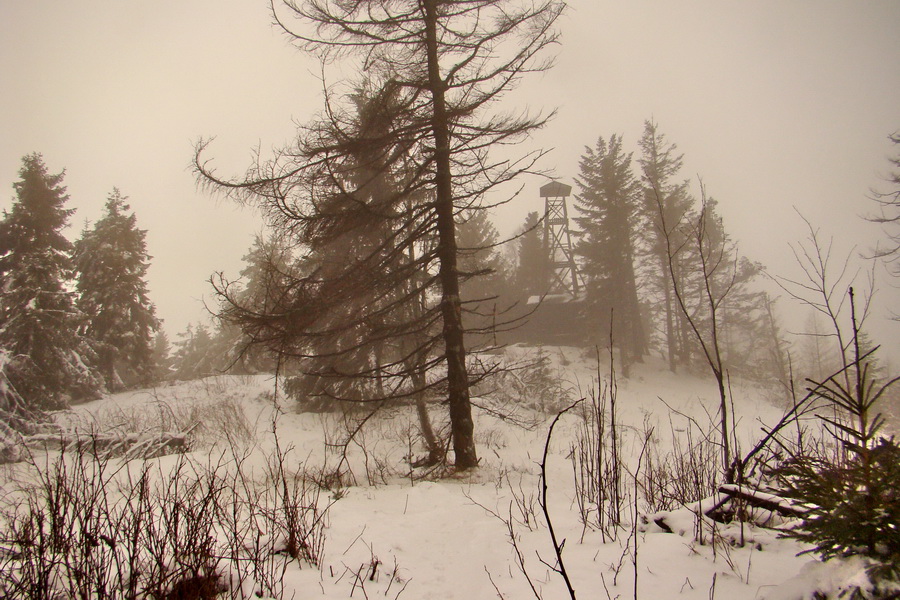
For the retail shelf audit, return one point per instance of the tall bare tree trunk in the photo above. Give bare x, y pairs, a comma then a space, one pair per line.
461, 424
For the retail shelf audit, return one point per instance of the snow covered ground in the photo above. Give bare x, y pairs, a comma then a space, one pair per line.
392, 535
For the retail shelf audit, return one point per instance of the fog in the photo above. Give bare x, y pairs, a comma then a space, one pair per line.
780, 108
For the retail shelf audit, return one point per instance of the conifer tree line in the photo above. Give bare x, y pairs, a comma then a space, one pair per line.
75, 318
657, 263
659, 266
345, 316
630, 214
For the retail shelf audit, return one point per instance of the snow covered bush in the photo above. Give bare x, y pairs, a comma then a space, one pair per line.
16, 414
530, 382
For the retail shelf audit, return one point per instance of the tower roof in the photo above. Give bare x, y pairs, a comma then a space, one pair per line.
555, 189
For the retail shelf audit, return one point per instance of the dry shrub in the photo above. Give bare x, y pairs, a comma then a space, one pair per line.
86, 526
687, 472
597, 462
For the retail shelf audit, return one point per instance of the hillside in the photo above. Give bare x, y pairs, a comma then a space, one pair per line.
393, 532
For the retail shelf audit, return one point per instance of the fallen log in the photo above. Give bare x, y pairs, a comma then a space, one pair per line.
757, 498
108, 445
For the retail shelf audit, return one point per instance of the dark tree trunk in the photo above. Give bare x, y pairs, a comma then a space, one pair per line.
670, 322
461, 424
435, 450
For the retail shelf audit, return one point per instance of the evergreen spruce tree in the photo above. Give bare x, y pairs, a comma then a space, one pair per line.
726, 275
269, 268
532, 274
608, 206
162, 359
666, 204
481, 274
47, 363
111, 264
888, 215
193, 357
362, 305
268, 261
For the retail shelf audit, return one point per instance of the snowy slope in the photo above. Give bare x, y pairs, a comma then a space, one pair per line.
448, 537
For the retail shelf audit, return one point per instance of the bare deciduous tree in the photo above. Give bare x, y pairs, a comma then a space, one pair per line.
823, 288
888, 214
719, 273
660, 168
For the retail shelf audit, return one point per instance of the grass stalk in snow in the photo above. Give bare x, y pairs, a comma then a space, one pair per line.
558, 546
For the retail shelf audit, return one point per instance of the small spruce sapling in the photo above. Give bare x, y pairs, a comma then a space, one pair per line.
854, 504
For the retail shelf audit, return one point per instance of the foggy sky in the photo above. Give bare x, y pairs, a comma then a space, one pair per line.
775, 104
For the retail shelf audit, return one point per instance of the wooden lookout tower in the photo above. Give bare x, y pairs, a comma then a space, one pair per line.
558, 240
555, 317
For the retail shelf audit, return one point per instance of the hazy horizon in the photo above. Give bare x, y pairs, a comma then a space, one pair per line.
780, 108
